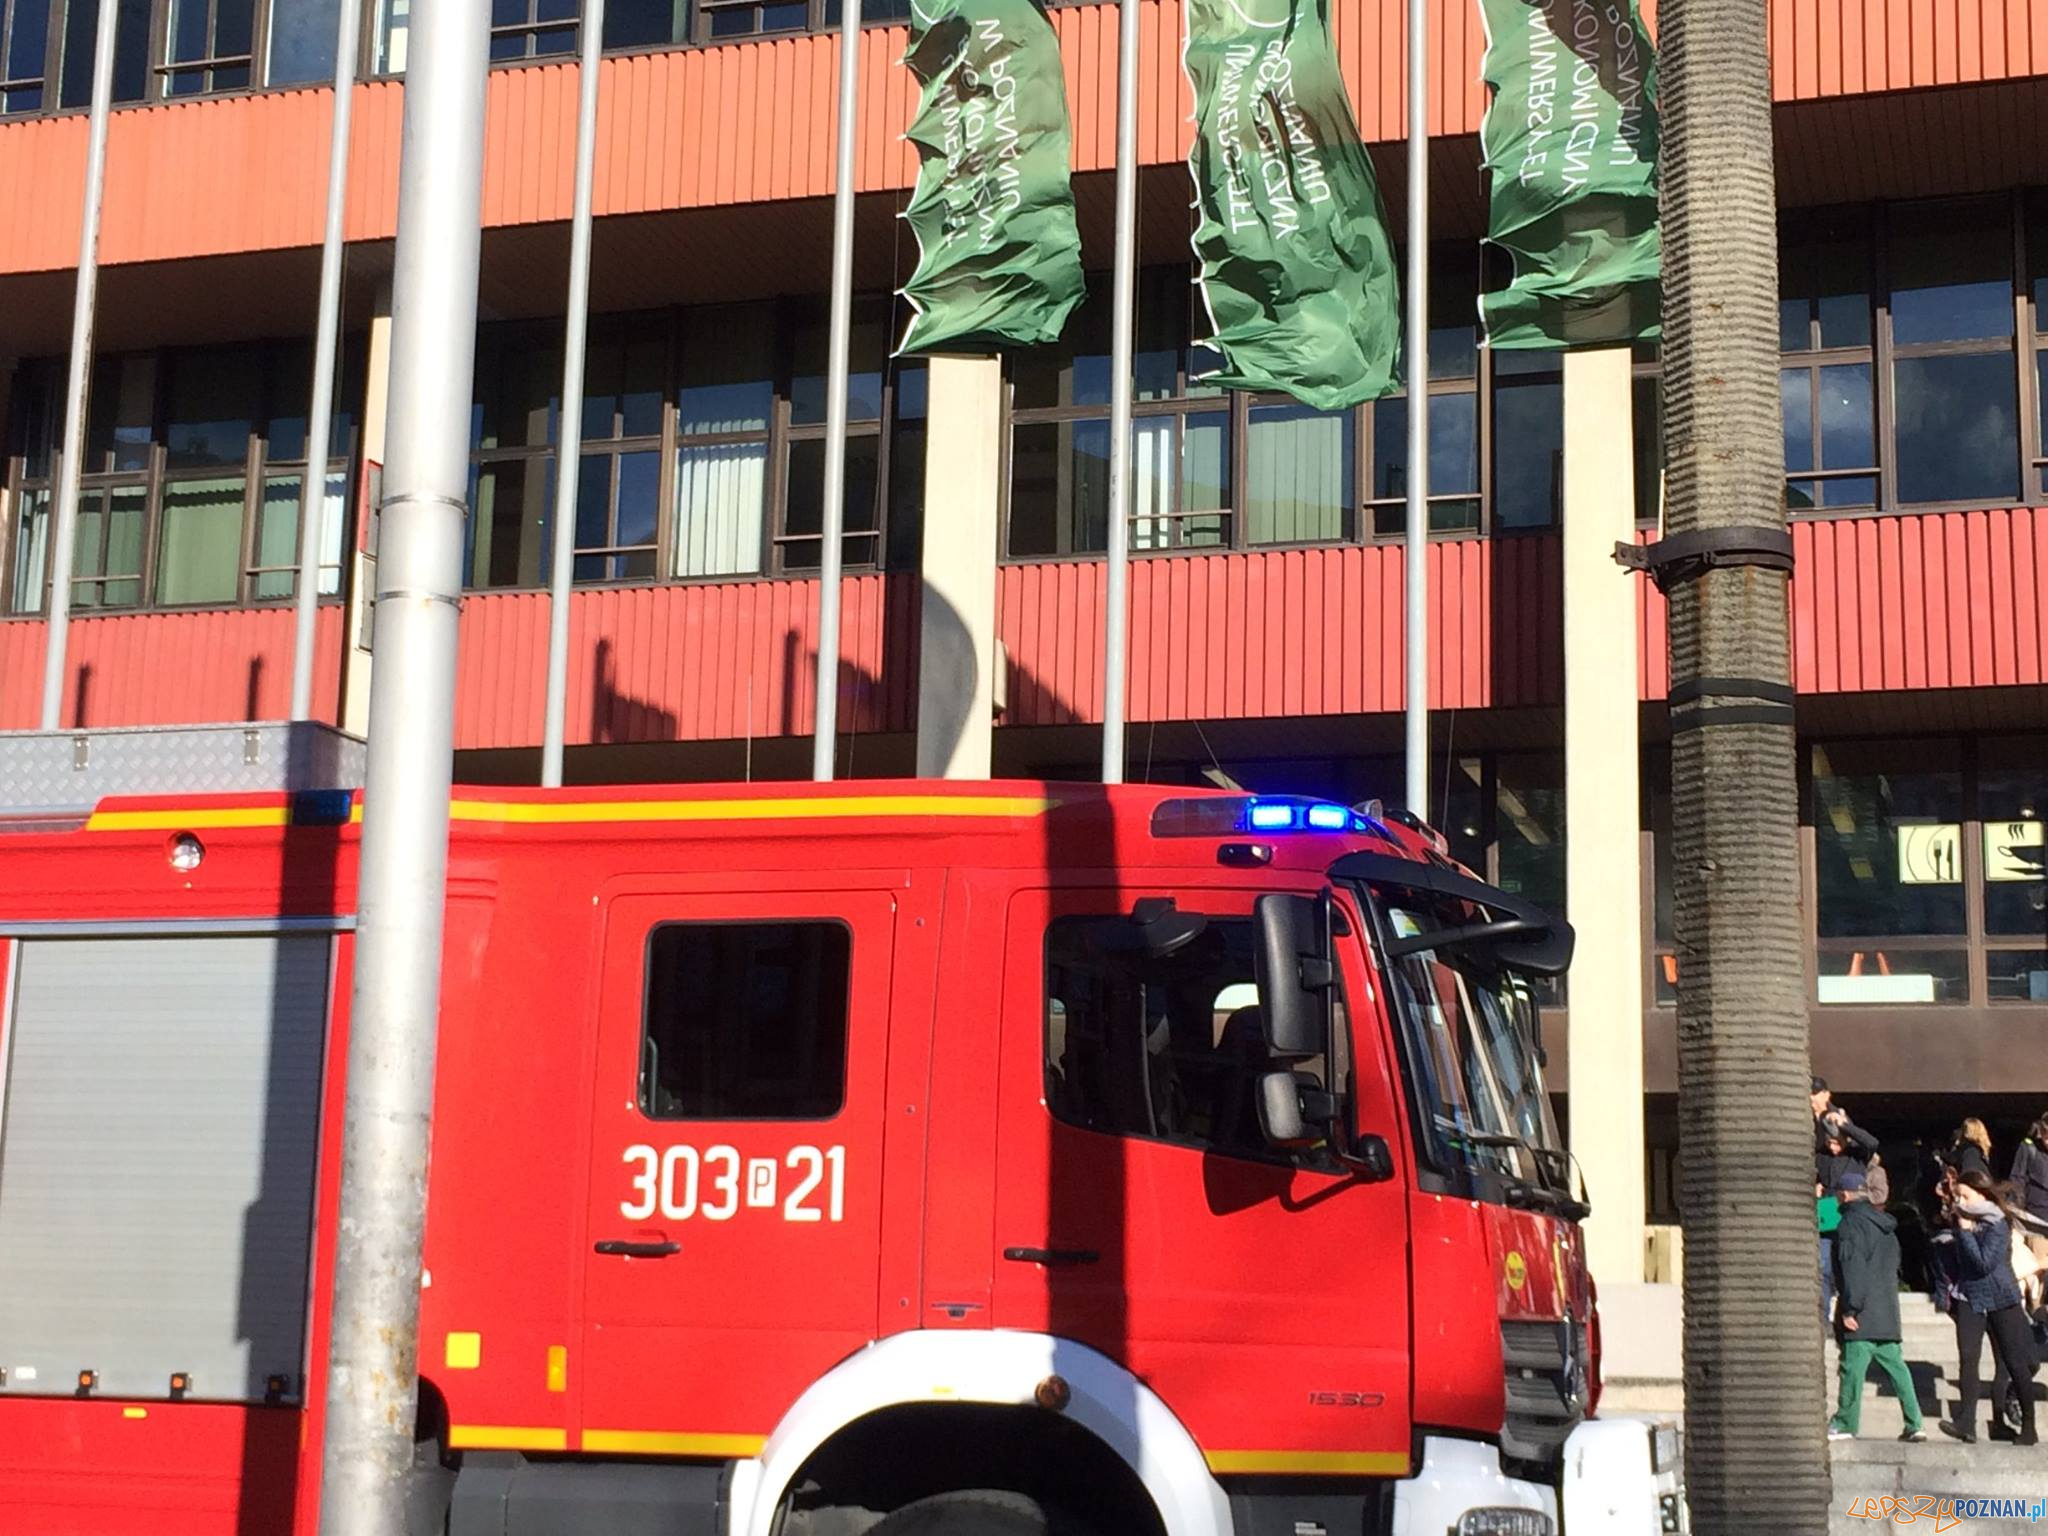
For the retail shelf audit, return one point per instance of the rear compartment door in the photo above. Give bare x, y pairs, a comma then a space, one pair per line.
735, 1208
158, 1136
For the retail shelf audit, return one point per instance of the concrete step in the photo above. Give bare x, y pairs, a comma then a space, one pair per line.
1942, 1469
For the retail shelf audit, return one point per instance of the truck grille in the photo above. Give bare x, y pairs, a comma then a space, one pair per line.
1545, 1369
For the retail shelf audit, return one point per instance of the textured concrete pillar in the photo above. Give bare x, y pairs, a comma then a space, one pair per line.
1603, 855
962, 489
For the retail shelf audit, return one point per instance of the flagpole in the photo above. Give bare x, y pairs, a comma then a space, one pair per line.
78, 376
320, 405
1116, 599
569, 458
832, 519
1417, 350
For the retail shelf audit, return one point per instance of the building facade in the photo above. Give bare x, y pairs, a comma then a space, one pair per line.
1912, 152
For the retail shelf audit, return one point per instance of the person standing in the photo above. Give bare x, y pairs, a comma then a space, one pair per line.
2030, 1183
1989, 1304
1867, 1310
1970, 1151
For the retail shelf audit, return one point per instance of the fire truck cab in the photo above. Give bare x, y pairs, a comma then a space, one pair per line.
887, 1157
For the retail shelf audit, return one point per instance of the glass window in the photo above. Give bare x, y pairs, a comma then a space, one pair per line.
1951, 271
1824, 267
1889, 862
1059, 487
1830, 436
274, 573
1528, 801
525, 29
2012, 801
211, 406
106, 563
745, 1021
1647, 422
1957, 424
510, 505
31, 552
199, 555
1528, 440
645, 23
801, 541
1454, 500
121, 417
1075, 369
1168, 1049
1300, 476
131, 51
301, 41
207, 46
906, 465
24, 51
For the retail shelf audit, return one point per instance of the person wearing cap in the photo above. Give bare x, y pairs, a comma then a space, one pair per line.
1867, 1310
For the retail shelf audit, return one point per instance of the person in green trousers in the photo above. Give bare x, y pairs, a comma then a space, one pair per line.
1867, 1309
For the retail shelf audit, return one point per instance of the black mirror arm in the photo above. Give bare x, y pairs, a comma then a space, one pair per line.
1452, 938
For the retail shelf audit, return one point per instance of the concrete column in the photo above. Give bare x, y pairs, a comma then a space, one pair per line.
1603, 858
963, 466
360, 558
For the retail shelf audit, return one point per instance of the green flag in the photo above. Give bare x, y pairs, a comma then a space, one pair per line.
999, 256
1571, 140
1296, 266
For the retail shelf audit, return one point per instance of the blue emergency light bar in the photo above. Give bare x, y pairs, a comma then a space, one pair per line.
1234, 815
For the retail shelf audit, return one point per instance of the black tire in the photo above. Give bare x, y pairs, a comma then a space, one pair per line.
976, 1512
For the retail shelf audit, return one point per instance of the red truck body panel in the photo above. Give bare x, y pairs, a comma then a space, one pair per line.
1254, 1299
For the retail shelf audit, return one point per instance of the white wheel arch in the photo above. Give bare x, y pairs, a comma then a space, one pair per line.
995, 1367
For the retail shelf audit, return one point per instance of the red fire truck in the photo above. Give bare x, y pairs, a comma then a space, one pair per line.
907, 1158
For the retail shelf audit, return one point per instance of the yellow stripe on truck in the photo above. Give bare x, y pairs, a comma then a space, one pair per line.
655, 1442
198, 819
1353, 1463
599, 812
786, 809
505, 1437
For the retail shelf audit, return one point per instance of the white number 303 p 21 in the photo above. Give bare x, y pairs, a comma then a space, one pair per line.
805, 1184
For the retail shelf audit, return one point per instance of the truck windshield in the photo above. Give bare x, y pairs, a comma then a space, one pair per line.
1471, 1028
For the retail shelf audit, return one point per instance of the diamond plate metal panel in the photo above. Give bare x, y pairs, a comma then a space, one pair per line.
73, 770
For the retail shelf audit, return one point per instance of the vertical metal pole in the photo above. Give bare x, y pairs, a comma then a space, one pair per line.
320, 410
78, 378
1123, 318
372, 1381
569, 459
833, 518
1417, 544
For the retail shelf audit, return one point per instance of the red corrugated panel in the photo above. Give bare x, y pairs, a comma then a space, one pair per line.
1283, 632
747, 122
169, 668
686, 663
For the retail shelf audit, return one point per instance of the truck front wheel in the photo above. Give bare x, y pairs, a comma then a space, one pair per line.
979, 1512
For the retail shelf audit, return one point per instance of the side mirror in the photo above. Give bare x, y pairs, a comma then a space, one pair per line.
1292, 967
1294, 1111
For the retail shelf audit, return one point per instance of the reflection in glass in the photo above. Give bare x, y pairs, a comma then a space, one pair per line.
2012, 799
1887, 838
1528, 453
1951, 273
277, 537
859, 545
1887, 975
2016, 975
509, 509
1957, 424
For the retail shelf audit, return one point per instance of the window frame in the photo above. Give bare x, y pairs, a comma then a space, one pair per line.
2026, 345
155, 477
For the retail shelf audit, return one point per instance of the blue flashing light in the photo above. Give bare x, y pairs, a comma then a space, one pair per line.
1271, 818
1329, 818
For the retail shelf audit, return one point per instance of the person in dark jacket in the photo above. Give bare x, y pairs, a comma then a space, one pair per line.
1970, 1151
1867, 1310
1989, 1303
2030, 1183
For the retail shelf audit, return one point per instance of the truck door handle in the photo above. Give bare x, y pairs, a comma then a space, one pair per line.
1052, 1256
626, 1248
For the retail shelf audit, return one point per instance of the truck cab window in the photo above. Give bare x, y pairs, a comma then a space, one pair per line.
745, 1021
1169, 1048
1471, 1029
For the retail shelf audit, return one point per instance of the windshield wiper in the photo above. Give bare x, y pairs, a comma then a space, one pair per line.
1521, 1192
